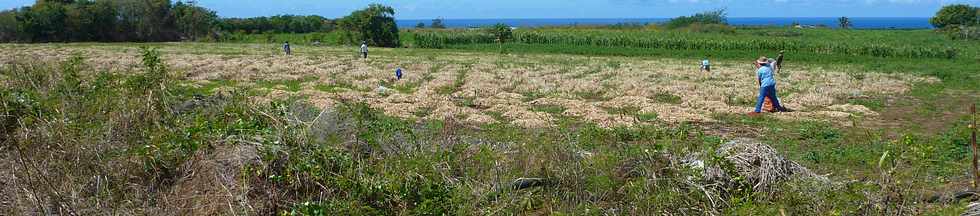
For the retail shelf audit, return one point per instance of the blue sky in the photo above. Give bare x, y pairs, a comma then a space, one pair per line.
455, 9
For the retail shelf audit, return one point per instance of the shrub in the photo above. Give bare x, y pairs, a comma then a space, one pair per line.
963, 32
501, 32
375, 24
956, 15
708, 17
958, 21
437, 24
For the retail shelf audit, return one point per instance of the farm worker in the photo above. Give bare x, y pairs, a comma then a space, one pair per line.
767, 85
285, 48
398, 73
778, 63
767, 105
364, 49
705, 65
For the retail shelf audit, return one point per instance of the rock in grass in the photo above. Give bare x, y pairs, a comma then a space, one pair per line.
972, 210
969, 196
523, 183
198, 101
382, 90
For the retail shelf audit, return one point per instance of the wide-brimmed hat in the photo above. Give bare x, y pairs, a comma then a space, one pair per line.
762, 60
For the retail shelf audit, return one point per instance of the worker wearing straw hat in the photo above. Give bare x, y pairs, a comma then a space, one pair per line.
767, 85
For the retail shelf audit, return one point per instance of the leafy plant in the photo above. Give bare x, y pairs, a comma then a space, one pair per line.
719, 16
956, 15
844, 23
501, 32
374, 24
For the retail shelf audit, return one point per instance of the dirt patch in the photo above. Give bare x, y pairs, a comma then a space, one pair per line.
906, 114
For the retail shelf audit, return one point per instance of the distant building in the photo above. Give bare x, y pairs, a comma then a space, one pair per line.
800, 26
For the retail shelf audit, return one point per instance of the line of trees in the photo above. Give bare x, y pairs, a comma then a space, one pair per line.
277, 24
162, 20
106, 21
436, 24
137, 21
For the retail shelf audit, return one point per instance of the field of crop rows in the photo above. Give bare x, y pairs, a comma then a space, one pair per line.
478, 88
680, 41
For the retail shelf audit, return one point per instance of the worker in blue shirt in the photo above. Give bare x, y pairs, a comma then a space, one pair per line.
705, 65
285, 48
765, 76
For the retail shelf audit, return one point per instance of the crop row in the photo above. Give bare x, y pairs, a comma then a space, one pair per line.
681, 42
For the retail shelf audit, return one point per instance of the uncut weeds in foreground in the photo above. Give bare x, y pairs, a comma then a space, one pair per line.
78, 141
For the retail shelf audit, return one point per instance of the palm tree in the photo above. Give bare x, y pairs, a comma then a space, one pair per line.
844, 22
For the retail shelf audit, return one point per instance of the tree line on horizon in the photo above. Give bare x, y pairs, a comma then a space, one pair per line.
164, 20
106, 21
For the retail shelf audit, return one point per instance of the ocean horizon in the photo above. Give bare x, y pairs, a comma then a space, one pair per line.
858, 22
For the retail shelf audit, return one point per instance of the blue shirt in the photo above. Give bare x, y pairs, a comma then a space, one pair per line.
705, 62
765, 75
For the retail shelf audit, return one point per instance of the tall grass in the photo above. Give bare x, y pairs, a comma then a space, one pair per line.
78, 141
690, 41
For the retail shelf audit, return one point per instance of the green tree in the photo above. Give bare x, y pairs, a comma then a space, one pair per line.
90, 21
146, 20
278, 24
952, 16
193, 22
8, 26
719, 16
43, 22
420, 25
502, 32
844, 23
437, 23
374, 24
104, 20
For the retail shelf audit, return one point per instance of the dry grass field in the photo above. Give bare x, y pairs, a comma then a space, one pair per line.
525, 90
242, 129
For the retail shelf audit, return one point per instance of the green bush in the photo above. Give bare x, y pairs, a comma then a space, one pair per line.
708, 17
956, 15
501, 32
374, 24
958, 21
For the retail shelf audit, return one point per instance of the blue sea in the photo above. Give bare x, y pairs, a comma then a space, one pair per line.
858, 22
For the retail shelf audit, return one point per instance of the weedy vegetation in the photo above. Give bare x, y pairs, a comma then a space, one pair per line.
575, 121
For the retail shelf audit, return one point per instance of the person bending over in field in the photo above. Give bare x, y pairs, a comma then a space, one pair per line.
705, 65
285, 48
765, 76
364, 49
